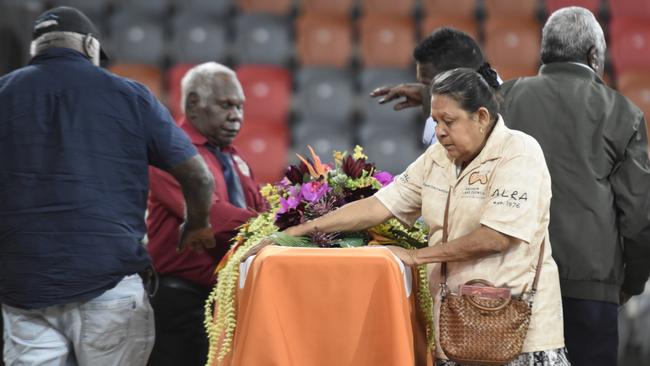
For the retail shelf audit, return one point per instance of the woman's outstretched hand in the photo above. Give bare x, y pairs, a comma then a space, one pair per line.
405, 255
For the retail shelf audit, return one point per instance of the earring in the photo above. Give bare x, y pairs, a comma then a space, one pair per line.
481, 130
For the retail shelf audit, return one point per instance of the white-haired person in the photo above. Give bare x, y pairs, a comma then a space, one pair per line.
596, 147
75, 145
213, 103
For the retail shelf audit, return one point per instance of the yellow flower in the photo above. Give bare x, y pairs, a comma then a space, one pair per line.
338, 157
358, 153
271, 195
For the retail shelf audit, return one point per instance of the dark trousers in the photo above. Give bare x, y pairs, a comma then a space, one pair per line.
591, 332
180, 335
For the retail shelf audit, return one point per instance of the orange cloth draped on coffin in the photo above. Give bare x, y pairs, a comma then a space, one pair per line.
326, 307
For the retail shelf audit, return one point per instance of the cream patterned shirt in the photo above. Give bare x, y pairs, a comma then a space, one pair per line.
507, 187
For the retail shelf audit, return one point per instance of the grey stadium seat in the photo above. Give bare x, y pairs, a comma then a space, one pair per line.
262, 39
198, 39
325, 93
391, 148
135, 38
212, 8
372, 78
323, 138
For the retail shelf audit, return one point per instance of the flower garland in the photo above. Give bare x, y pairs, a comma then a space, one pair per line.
310, 190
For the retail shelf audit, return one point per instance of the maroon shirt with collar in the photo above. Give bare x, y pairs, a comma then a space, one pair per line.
166, 211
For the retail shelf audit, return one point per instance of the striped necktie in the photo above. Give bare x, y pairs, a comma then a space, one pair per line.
235, 191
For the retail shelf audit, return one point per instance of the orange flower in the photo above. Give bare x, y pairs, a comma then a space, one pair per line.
317, 169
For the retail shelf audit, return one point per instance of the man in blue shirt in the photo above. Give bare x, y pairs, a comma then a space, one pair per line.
75, 145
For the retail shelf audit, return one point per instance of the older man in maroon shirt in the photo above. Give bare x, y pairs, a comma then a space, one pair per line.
213, 100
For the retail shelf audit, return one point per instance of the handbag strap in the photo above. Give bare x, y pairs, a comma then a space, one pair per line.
445, 238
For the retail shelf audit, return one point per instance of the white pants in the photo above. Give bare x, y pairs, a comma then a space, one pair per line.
115, 328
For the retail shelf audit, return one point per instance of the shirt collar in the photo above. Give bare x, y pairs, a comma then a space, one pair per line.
570, 69
58, 52
198, 139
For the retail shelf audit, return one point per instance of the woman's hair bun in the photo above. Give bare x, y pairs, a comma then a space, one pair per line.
490, 76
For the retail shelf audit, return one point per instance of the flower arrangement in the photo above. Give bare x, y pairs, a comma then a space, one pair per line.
310, 190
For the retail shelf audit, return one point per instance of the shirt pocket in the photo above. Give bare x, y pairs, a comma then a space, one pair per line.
105, 323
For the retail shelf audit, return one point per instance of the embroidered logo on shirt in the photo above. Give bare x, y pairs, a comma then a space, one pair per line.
478, 177
241, 164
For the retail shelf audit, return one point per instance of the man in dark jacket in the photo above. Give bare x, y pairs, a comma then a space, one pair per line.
595, 144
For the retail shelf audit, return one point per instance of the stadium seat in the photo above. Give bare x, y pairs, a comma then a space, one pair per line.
634, 79
327, 8
149, 75
136, 39
212, 8
388, 7
630, 40
174, 76
507, 73
326, 93
9, 45
323, 41
279, 7
198, 38
373, 78
512, 44
629, 9
391, 147
267, 90
94, 9
264, 145
450, 8
323, 137
386, 41
511, 9
592, 5
148, 8
262, 39
432, 22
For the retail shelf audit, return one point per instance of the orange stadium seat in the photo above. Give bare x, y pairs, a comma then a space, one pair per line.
149, 75
629, 8
467, 25
510, 9
451, 8
264, 145
386, 40
388, 7
267, 90
512, 45
592, 5
328, 8
323, 41
174, 76
630, 40
279, 7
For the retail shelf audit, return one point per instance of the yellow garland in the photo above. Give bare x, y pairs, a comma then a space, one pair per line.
223, 294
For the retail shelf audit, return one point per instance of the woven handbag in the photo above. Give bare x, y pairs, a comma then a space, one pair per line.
479, 330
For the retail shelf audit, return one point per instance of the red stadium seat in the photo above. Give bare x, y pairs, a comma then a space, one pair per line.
149, 75
630, 40
386, 41
592, 5
327, 8
512, 44
450, 8
508, 73
267, 90
323, 41
633, 79
511, 9
174, 77
467, 25
388, 7
264, 145
279, 7
629, 8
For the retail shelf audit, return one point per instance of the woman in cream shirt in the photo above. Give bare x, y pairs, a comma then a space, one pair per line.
500, 192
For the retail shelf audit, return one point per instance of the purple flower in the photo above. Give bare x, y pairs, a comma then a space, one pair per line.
314, 191
292, 217
385, 178
288, 204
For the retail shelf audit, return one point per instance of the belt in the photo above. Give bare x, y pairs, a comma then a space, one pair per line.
179, 283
